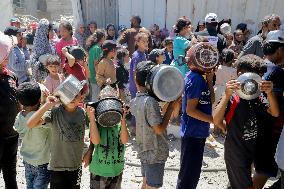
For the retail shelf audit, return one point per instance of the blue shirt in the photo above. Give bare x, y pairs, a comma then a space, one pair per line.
168, 57
195, 88
180, 45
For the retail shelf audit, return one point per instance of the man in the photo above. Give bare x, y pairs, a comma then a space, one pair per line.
15, 22
17, 60
211, 23
254, 44
129, 35
8, 111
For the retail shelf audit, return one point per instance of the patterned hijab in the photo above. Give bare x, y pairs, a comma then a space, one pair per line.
41, 42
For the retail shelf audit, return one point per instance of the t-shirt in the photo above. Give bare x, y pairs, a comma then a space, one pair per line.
253, 46
246, 121
108, 157
279, 156
9, 106
151, 148
51, 84
95, 54
137, 57
35, 147
61, 44
180, 45
195, 88
67, 138
168, 57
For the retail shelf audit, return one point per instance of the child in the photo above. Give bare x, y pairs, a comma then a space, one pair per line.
67, 123
108, 159
94, 42
35, 147
53, 80
224, 73
9, 107
141, 41
76, 64
67, 39
153, 149
245, 120
168, 51
106, 73
157, 56
195, 123
122, 74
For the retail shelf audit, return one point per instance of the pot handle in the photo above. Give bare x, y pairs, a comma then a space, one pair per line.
92, 104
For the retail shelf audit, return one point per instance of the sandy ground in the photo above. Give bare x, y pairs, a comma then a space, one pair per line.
213, 159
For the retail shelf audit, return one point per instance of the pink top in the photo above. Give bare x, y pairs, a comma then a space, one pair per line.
51, 84
225, 74
62, 43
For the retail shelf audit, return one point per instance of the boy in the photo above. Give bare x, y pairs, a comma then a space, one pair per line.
35, 147
245, 120
108, 159
151, 139
67, 139
195, 122
9, 108
168, 51
156, 56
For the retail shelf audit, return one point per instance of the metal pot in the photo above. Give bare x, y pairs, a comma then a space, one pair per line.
165, 82
69, 89
249, 86
108, 111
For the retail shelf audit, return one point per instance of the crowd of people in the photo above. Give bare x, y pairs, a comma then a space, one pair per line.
35, 60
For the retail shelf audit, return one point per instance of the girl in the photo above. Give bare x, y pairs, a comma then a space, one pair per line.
181, 44
92, 27
168, 51
239, 41
106, 73
66, 33
94, 43
41, 46
200, 26
141, 42
110, 30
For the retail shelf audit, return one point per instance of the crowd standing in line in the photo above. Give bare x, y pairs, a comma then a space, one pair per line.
34, 61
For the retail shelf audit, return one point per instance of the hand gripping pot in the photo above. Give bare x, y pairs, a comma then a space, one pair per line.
69, 89
203, 56
249, 86
165, 82
108, 111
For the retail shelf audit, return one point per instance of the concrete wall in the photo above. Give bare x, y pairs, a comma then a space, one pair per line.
6, 13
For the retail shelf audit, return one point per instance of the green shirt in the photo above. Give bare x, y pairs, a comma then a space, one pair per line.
108, 157
95, 54
35, 147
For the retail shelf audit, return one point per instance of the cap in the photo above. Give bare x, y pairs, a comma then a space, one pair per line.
211, 17
6, 43
275, 36
43, 58
225, 28
109, 45
154, 54
12, 30
13, 20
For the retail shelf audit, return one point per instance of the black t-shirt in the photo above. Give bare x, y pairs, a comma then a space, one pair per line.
122, 76
9, 106
245, 123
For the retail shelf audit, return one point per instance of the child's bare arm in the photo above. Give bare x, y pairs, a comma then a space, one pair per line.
191, 110
70, 58
36, 118
267, 87
94, 132
124, 132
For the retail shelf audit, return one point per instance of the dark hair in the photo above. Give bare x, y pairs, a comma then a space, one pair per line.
67, 25
121, 53
251, 63
53, 60
180, 24
137, 18
242, 26
93, 22
107, 28
270, 48
29, 93
167, 41
199, 23
142, 70
227, 56
95, 38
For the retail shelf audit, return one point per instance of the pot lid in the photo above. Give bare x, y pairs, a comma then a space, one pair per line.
249, 86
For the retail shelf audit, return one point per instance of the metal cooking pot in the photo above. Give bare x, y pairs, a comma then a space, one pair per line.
249, 86
165, 82
69, 89
108, 111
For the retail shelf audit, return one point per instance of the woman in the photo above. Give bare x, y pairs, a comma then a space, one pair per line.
110, 30
80, 35
42, 46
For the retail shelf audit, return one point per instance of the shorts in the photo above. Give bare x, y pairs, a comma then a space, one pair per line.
66, 179
154, 174
100, 182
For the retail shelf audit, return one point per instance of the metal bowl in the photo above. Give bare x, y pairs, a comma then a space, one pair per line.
249, 86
